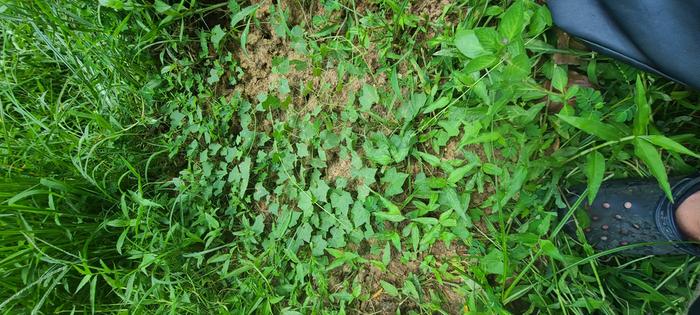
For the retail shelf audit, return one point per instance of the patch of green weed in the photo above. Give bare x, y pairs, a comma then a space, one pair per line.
334, 156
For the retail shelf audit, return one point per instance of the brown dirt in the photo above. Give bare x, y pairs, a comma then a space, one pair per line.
263, 46
339, 168
397, 272
450, 151
363, 7
430, 9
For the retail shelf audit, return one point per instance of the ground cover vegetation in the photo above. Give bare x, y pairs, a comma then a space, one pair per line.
336, 156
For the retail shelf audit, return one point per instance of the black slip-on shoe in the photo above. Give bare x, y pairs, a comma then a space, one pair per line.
627, 212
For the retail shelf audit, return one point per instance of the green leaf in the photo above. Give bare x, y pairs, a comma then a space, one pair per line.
320, 190
244, 38
242, 14
389, 288
559, 78
161, 6
595, 170
400, 146
304, 232
651, 157
217, 34
304, 203
244, 168
369, 97
480, 63
643, 115
120, 223
409, 289
468, 43
121, 239
93, 292
434, 161
451, 197
341, 201
360, 215
493, 262
440, 103
491, 169
516, 183
592, 126
459, 173
551, 250
670, 145
116, 4
394, 182
540, 20
83, 282
386, 255
138, 198
379, 154
484, 137
512, 21
388, 216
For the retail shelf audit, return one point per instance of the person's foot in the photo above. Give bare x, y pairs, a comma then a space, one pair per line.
688, 217
627, 212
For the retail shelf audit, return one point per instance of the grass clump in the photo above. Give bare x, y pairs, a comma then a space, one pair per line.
312, 157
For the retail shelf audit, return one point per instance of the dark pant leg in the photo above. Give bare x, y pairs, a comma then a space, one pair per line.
694, 308
661, 36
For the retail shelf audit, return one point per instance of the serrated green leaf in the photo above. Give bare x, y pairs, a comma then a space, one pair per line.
468, 43
320, 190
595, 170
491, 169
304, 232
409, 289
380, 153
593, 127
559, 78
368, 97
394, 182
540, 20
652, 159
480, 62
400, 146
217, 34
360, 215
643, 115
493, 262
304, 203
512, 21
389, 288
341, 201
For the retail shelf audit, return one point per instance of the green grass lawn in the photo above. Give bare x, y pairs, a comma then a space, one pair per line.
313, 157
